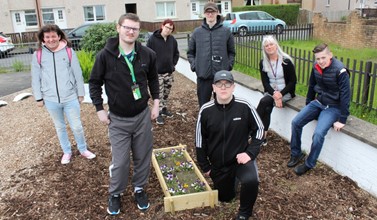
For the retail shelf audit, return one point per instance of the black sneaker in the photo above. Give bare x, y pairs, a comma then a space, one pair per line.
300, 170
165, 112
114, 204
141, 199
240, 217
264, 142
295, 160
160, 120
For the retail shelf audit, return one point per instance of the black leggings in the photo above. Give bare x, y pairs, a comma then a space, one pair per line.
247, 174
264, 109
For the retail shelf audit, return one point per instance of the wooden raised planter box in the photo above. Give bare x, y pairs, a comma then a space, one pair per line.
174, 203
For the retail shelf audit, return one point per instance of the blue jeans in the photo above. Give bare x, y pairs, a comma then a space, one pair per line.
326, 116
71, 110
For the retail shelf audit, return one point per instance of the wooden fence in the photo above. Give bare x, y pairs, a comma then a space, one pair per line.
363, 74
27, 37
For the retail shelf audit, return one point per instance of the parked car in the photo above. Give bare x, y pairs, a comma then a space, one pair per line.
76, 35
6, 45
246, 22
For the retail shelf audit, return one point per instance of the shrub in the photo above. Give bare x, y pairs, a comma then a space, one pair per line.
3, 70
96, 36
86, 59
288, 13
18, 66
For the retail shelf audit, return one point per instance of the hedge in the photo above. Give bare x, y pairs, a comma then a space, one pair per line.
288, 13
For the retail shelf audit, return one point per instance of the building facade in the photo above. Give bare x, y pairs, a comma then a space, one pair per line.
337, 5
29, 15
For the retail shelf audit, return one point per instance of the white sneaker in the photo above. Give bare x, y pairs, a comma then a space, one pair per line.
88, 155
66, 158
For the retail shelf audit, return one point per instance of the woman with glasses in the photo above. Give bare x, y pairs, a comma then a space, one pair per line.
222, 147
166, 48
278, 78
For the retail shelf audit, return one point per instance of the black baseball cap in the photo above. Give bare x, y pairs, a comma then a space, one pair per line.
223, 75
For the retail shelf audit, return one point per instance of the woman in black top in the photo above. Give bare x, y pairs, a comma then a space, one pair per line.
278, 78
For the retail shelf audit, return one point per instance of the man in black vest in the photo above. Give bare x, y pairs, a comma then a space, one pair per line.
327, 101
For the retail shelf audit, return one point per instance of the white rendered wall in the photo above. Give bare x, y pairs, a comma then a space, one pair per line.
346, 155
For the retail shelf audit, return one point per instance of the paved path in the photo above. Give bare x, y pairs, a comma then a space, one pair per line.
14, 82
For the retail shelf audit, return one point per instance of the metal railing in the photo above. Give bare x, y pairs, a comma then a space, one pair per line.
19, 59
363, 73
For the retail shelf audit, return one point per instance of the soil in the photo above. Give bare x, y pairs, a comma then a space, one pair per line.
34, 185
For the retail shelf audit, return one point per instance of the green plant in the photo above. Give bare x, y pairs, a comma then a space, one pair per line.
287, 12
179, 174
96, 36
86, 59
3, 70
18, 66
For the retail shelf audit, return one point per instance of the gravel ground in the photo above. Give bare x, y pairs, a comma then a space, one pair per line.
34, 185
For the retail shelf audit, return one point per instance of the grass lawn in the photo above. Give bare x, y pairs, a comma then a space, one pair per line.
303, 68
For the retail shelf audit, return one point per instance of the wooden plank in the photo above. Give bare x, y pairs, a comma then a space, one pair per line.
190, 201
186, 201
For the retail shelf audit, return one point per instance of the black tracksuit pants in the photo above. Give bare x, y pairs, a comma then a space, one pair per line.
204, 90
247, 174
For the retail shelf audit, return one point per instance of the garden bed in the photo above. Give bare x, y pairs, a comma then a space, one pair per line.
181, 181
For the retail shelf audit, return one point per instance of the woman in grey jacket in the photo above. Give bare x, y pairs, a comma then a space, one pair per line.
58, 84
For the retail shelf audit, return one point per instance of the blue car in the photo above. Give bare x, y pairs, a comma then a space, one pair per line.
247, 22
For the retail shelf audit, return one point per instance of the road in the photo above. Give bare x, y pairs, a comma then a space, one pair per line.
14, 82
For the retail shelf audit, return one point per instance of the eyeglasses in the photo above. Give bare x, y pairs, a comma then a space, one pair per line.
220, 85
169, 28
128, 29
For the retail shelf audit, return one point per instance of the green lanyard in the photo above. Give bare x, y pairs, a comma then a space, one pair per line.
130, 66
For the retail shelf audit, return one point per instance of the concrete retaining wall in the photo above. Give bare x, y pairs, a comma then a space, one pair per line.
347, 154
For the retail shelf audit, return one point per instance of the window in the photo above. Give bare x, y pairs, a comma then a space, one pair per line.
264, 16
193, 7
94, 13
17, 16
31, 18
226, 5
48, 16
60, 14
327, 3
165, 9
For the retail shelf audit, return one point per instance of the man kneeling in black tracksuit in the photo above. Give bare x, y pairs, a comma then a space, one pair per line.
223, 151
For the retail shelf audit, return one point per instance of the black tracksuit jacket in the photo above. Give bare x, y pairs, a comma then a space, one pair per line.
222, 132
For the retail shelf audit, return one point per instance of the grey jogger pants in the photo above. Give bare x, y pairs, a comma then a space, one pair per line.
131, 134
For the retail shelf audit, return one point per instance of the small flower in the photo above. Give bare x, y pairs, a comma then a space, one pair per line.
174, 166
187, 166
160, 155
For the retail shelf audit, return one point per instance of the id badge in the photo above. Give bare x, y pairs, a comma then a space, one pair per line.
136, 92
